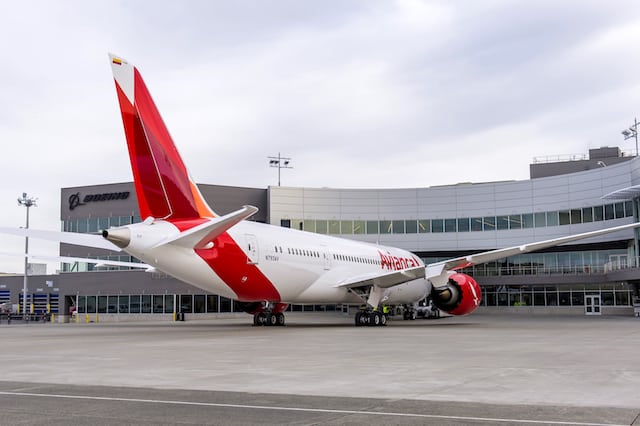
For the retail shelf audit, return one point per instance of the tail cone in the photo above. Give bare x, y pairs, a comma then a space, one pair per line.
118, 236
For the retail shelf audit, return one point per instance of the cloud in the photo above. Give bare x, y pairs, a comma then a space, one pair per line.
390, 94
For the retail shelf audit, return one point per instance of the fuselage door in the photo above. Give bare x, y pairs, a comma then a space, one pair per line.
253, 254
327, 259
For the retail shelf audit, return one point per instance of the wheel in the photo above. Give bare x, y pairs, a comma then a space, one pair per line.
365, 318
374, 319
362, 319
272, 319
280, 319
262, 318
383, 320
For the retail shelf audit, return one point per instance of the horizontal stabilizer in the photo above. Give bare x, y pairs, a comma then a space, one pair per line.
87, 240
387, 280
199, 236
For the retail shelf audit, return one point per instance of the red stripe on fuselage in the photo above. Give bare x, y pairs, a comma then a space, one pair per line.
229, 262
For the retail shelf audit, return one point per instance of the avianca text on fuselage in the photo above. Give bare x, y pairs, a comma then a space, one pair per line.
395, 263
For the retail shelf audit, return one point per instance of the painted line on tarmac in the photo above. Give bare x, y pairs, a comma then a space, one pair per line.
309, 410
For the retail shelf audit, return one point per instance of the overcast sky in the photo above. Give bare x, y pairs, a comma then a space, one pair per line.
358, 93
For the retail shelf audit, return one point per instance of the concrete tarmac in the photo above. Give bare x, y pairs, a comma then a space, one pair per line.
319, 369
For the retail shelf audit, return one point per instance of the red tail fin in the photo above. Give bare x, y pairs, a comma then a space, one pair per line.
163, 186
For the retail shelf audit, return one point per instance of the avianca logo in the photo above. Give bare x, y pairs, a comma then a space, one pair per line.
395, 263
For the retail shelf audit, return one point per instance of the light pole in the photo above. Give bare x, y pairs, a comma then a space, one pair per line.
27, 202
280, 163
632, 132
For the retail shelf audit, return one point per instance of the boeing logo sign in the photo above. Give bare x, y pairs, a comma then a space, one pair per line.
76, 200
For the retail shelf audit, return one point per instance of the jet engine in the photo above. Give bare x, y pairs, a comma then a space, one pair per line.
460, 296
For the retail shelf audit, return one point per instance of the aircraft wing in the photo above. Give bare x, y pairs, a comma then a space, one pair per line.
437, 269
71, 260
97, 262
386, 280
88, 240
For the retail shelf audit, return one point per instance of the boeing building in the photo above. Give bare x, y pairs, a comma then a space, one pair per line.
599, 276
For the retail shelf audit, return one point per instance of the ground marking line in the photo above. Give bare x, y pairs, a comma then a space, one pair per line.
313, 410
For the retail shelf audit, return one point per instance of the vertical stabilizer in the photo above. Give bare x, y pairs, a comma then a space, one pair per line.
163, 186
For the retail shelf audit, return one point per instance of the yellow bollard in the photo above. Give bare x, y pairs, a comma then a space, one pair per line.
86, 318
97, 319
175, 317
53, 317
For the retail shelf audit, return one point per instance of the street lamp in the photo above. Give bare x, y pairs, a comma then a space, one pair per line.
280, 163
632, 132
27, 202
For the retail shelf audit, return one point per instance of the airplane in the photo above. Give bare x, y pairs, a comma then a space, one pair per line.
266, 267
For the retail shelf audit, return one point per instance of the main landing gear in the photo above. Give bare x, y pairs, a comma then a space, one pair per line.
409, 313
268, 318
266, 313
370, 318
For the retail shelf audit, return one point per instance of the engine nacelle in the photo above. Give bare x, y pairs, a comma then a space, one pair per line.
460, 296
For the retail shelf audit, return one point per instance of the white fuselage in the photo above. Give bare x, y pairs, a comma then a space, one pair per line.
303, 267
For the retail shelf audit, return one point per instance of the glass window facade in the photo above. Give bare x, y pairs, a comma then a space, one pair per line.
466, 224
164, 304
551, 296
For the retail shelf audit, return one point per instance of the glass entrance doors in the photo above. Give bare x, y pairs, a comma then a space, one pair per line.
592, 304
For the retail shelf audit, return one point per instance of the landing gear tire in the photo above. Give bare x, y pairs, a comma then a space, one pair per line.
260, 319
269, 319
272, 319
371, 319
409, 315
374, 319
363, 319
